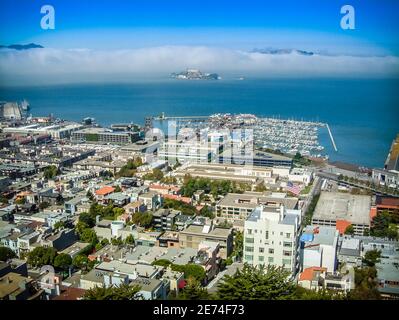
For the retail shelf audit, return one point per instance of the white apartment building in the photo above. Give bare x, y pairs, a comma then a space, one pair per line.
319, 247
271, 237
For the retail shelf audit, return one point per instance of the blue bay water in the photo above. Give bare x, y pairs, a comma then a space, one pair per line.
363, 114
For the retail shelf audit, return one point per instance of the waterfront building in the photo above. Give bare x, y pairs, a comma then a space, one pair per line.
56, 131
386, 177
189, 151
231, 172
103, 136
257, 158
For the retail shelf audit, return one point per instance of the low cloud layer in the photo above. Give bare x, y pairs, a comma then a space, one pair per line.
46, 65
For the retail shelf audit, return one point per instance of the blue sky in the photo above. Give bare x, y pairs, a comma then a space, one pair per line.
116, 24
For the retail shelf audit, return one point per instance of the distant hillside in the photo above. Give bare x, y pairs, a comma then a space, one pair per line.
283, 51
22, 46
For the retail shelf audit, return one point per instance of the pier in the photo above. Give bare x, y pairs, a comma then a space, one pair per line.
182, 118
331, 137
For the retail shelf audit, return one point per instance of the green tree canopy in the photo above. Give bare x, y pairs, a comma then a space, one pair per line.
372, 257
185, 208
257, 283
143, 219
41, 256
383, 225
50, 172
350, 230
80, 261
365, 285
89, 235
87, 219
194, 291
122, 292
6, 253
194, 271
63, 261
129, 239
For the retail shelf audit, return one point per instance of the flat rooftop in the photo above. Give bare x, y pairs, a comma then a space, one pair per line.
257, 153
343, 206
251, 200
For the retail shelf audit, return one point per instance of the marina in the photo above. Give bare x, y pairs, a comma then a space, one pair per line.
283, 135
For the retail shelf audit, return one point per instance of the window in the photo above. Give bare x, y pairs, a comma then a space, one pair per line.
261, 258
271, 259
249, 249
261, 250
281, 233
249, 257
271, 251
288, 235
249, 240
267, 235
287, 244
286, 261
249, 231
287, 253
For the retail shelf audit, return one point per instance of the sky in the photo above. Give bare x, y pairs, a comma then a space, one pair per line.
204, 33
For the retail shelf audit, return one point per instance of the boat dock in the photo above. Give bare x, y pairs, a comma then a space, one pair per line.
331, 137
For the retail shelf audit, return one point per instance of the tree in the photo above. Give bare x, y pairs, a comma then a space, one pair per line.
41, 256
50, 172
59, 225
63, 261
80, 227
194, 291
322, 294
6, 254
194, 271
80, 261
155, 175
260, 187
43, 205
350, 230
118, 189
238, 245
383, 225
162, 263
20, 201
90, 195
206, 212
190, 270
372, 257
257, 283
87, 219
3, 199
89, 235
185, 208
116, 241
129, 239
142, 219
365, 285
122, 292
